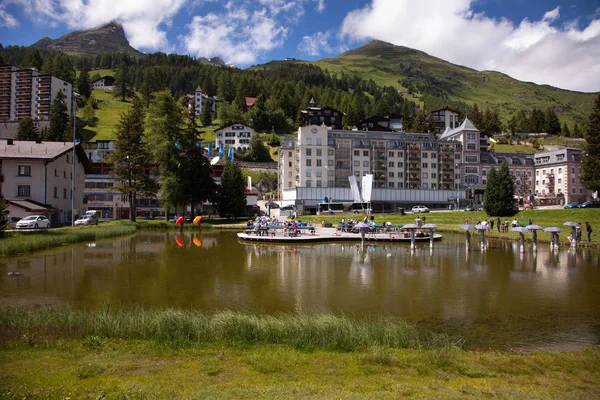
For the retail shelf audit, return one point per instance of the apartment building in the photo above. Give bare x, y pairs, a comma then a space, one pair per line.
203, 100
557, 174
445, 118
39, 175
28, 93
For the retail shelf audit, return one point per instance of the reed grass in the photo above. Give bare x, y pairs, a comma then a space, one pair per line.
27, 242
176, 328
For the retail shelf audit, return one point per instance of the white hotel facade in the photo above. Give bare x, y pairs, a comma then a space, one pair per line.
416, 168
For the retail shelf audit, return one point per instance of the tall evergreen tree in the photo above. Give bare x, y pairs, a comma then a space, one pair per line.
500, 200
476, 116
566, 132
59, 119
33, 59
27, 130
590, 164
576, 131
84, 87
122, 82
552, 122
231, 200
206, 116
537, 121
258, 151
130, 157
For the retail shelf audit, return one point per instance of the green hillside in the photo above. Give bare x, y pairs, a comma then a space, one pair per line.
418, 74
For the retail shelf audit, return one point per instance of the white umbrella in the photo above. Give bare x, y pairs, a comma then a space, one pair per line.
429, 226
521, 231
468, 227
554, 231
481, 227
534, 228
410, 226
574, 226
361, 225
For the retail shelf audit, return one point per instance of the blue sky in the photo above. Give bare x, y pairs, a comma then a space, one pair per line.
544, 41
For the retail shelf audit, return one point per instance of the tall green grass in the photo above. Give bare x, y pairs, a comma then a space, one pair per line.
27, 242
176, 328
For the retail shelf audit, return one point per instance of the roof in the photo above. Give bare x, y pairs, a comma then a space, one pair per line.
465, 126
446, 108
108, 77
43, 151
231, 124
32, 206
250, 101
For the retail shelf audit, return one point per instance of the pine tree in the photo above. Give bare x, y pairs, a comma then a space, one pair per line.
499, 193
122, 82
59, 119
576, 131
130, 157
33, 59
258, 151
590, 164
476, 117
552, 122
84, 87
89, 114
27, 130
206, 115
566, 132
231, 200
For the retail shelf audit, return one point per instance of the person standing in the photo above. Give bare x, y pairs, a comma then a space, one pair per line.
498, 223
588, 229
578, 232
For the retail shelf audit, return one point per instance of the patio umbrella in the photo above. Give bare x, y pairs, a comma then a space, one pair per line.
467, 228
521, 231
534, 228
411, 228
362, 227
574, 226
431, 227
554, 231
482, 228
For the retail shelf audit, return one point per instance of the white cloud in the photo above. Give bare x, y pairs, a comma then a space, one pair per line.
320, 5
539, 51
7, 20
240, 40
141, 19
315, 45
241, 34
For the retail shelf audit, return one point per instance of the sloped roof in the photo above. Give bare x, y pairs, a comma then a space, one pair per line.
250, 101
32, 206
465, 126
44, 151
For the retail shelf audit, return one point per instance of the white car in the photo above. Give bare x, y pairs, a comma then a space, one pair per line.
33, 222
420, 209
86, 220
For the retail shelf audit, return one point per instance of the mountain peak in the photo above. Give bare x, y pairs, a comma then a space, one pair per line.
108, 38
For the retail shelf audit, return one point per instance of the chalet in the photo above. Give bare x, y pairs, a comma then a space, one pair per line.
236, 136
319, 116
203, 100
445, 118
106, 82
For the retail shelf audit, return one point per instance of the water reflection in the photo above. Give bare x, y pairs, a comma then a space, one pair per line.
499, 297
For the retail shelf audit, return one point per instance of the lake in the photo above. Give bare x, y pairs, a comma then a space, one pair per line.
498, 298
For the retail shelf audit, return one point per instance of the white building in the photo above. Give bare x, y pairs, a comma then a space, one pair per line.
203, 100
37, 176
106, 83
235, 135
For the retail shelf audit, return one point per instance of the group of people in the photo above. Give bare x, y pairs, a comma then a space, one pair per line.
578, 232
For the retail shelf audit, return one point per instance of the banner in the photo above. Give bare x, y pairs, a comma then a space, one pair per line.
354, 188
367, 187
210, 149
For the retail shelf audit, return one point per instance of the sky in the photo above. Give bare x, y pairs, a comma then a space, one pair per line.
542, 41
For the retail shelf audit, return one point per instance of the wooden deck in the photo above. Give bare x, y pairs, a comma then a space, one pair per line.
332, 235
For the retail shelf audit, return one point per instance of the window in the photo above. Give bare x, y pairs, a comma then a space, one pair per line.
390, 154
425, 165
308, 172
356, 153
64, 174
330, 163
330, 152
357, 163
319, 173
330, 183
433, 175
366, 153
289, 164
68, 158
24, 170
425, 155
308, 152
400, 165
64, 193
400, 185
433, 186
391, 185
329, 173
308, 141
289, 153
319, 153
433, 165
319, 162
471, 146
308, 183
308, 162
365, 163
319, 142
400, 154
560, 171
424, 186
391, 164
471, 159
390, 174
559, 181
425, 175
319, 184
357, 173
433, 155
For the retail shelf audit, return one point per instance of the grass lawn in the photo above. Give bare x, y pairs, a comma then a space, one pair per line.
108, 116
57, 353
97, 368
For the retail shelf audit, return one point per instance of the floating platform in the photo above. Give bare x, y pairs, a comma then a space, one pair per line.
331, 235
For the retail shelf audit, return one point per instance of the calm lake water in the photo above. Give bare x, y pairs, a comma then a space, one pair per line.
499, 298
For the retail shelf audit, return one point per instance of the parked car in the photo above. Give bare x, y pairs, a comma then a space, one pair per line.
590, 204
86, 220
33, 221
574, 204
469, 208
420, 209
271, 204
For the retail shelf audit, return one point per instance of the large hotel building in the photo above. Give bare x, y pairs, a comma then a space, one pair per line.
417, 168
28, 93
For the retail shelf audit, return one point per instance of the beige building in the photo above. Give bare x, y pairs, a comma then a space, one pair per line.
37, 176
235, 135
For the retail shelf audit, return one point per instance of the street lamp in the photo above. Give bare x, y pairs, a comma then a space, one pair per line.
73, 163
